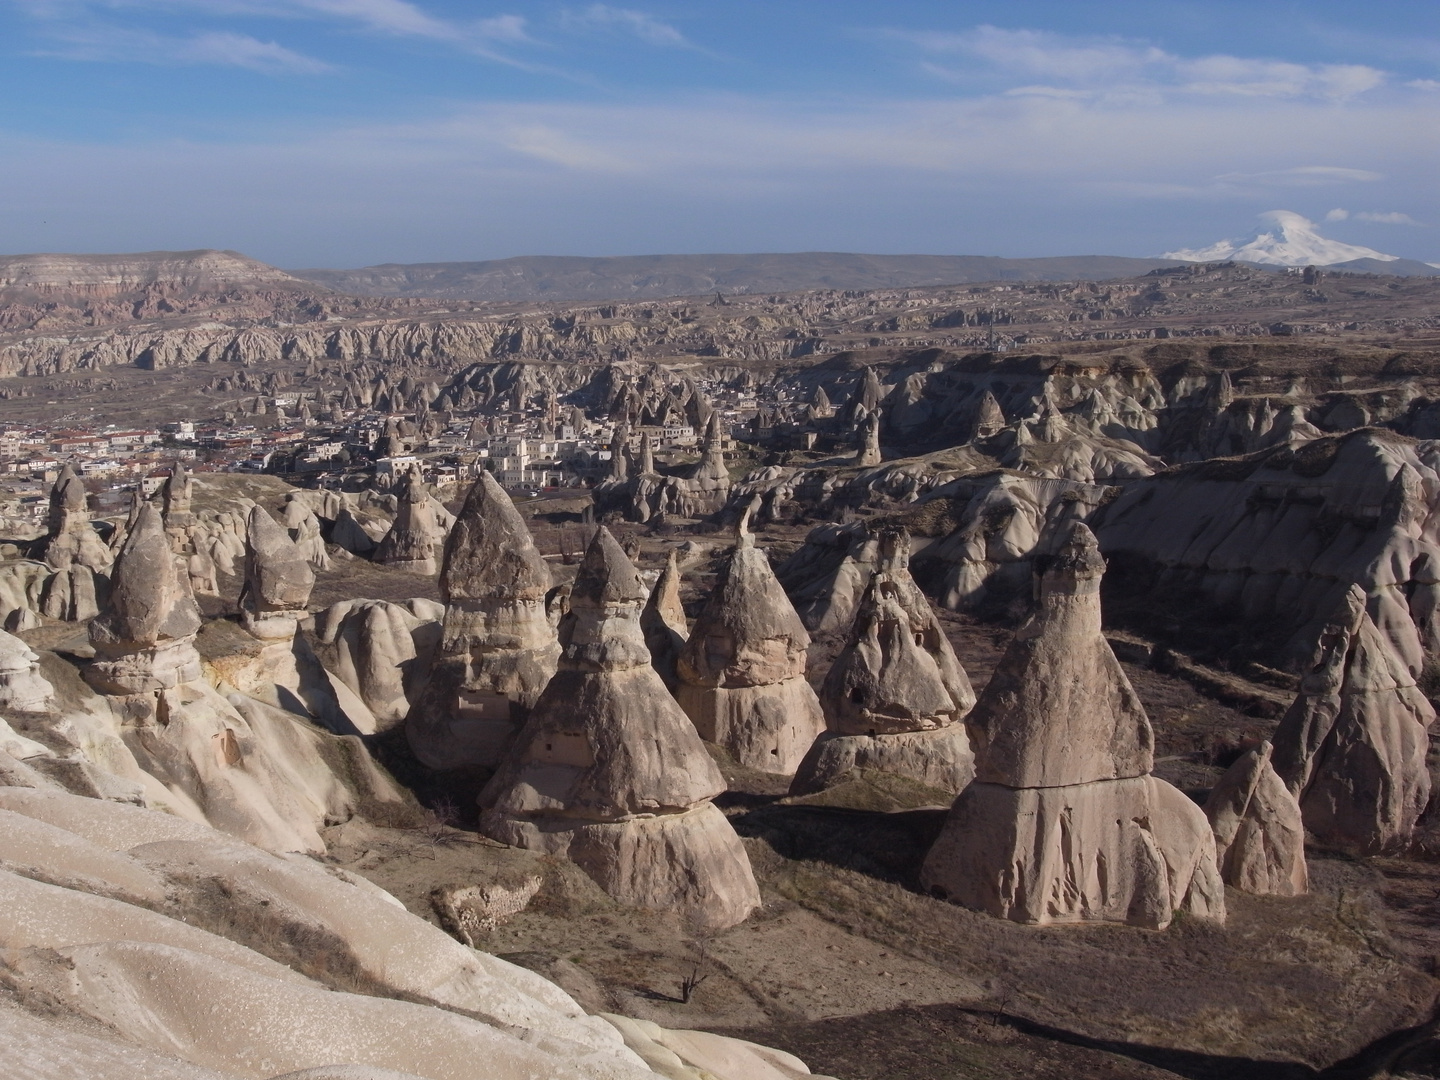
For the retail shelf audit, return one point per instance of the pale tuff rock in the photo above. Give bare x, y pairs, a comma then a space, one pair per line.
203, 580
380, 650
73, 541
415, 539
22, 687
897, 675
176, 494
608, 770
742, 672
71, 595
1059, 709
1352, 747
1280, 535
350, 532
705, 491
1259, 835
1063, 822
498, 648
989, 417
664, 623
868, 456
304, 529
278, 580
144, 640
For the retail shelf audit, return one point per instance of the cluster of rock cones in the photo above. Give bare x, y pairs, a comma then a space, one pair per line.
590, 706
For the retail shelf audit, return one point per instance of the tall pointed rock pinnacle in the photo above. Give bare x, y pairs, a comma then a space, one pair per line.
1063, 822
742, 673
1259, 834
608, 771
498, 648
73, 541
278, 579
414, 540
663, 621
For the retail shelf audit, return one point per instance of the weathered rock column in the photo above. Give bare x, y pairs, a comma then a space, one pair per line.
742, 672
144, 640
498, 648
1064, 822
608, 771
414, 540
278, 580
663, 621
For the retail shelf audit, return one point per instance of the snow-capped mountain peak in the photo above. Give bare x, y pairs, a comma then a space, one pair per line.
1291, 240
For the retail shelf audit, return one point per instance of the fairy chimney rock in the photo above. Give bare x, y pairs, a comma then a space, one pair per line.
414, 540
742, 671
144, 639
72, 540
608, 771
893, 695
498, 648
278, 579
1059, 709
664, 623
1063, 822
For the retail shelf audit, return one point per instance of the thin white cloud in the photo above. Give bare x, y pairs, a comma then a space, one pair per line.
646, 27
114, 45
1388, 217
1303, 176
76, 20
1117, 65
1338, 214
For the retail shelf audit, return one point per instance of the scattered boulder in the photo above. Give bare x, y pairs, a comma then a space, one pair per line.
609, 772
1063, 822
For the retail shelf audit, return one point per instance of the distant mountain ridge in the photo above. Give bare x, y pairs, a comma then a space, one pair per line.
204, 269
649, 277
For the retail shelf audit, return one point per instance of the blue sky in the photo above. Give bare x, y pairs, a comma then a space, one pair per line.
350, 132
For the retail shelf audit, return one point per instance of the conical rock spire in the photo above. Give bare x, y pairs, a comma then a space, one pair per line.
664, 623
742, 672
498, 648
278, 579
414, 540
1063, 822
144, 638
893, 695
608, 770
1259, 835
